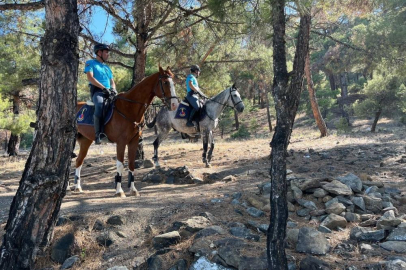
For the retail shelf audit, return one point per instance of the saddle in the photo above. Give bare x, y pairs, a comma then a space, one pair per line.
85, 114
185, 108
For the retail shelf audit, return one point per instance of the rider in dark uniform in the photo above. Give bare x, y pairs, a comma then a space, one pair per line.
101, 84
193, 92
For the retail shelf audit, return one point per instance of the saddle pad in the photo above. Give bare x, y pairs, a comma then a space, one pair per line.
183, 111
85, 115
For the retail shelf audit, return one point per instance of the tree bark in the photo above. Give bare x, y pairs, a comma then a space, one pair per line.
237, 122
36, 205
313, 100
286, 93
344, 94
268, 113
14, 142
377, 115
143, 13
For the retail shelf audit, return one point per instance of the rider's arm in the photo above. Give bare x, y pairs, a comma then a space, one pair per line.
195, 89
93, 81
112, 83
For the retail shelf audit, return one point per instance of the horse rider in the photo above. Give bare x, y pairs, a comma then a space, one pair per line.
193, 91
101, 84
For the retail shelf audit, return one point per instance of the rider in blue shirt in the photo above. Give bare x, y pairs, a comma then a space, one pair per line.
193, 91
101, 84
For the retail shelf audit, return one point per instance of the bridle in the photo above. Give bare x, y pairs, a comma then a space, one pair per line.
164, 98
232, 89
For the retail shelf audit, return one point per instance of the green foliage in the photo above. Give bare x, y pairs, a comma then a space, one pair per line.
241, 133
226, 120
342, 125
254, 125
384, 93
20, 123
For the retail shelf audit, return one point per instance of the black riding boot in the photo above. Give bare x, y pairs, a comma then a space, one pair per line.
189, 121
97, 129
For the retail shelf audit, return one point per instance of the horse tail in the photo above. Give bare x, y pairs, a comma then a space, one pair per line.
152, 124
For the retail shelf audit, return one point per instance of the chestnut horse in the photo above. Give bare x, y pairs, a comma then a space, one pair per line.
124, 127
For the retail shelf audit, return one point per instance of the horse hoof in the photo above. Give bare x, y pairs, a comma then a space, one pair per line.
208, 165
120, 194
134, 193
78, 190
157, 166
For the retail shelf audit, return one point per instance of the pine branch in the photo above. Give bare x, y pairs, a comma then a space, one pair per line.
25, 6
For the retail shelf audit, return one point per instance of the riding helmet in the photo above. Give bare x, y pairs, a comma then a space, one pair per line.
194, 68
100, 46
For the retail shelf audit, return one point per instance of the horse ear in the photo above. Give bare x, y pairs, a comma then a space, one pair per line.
160, 69
167, 68
233, 86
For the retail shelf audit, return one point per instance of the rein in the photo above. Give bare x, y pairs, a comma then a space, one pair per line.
164, 100
225, 104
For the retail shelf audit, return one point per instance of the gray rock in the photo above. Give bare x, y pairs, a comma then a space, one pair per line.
344, 200
197, 223
291, 207
236, 195
204, 264
388, 220
244, 233
201, 247
312, 241
324, 229
69, 262
63, 248
230, 241
166, 239
351, 217
330, 202
396, 265
291, 237
368, 223
291, 224
352, 181
335, 208
359, 202
98, 225
116, 220
312, 263
118, 268
211, 230
297, 193
316, 213
155, 262
366, 234
373, 204
252, 211
334, 221
148, 163
398, 234
179, 265
396, 246
250, 263
259, 227
320, 193
230, 255
265, 188
337, 188
303, 212
365, 248
307, 204
305, 184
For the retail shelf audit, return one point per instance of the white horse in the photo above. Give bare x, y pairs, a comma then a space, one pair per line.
165, 120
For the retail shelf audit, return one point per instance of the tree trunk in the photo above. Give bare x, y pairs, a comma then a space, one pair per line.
286, 99
377, 115
143, 14
13, 145
14, 142
237, 122
268, 113
36, 205
344, 94
313, 100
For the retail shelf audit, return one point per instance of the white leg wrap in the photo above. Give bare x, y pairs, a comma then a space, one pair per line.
77, 173
132, 187
120, 168
119, 189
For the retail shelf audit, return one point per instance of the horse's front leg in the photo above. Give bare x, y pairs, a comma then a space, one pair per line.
120, 167
209, 155
205, 145
132, 150
84, 145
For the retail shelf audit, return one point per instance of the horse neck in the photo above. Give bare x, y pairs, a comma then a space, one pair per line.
216, 105
142, 94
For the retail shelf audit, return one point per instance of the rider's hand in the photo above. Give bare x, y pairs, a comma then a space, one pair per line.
106, 91
113, 91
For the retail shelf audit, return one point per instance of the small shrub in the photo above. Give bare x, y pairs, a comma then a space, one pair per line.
241, 133
342, 125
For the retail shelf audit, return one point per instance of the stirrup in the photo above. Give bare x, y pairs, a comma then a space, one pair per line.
190, 124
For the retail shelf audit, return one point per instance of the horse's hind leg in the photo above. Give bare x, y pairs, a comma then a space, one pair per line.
120, 148
209, 155
84, 145
162, 135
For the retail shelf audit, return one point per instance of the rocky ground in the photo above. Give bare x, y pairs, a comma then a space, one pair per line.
346, 205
